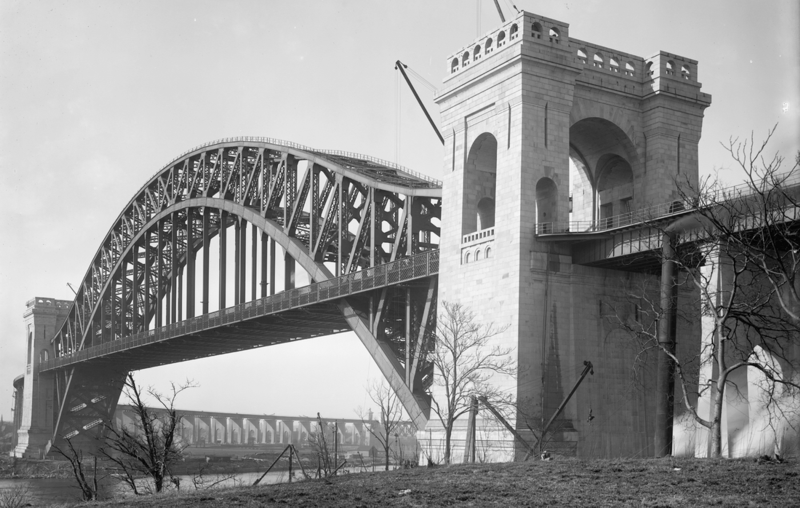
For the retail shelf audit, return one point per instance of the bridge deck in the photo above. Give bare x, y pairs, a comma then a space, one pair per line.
300, 313
632, 241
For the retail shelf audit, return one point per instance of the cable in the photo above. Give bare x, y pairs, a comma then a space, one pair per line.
478, 17
424, 82
397, 118
509, 2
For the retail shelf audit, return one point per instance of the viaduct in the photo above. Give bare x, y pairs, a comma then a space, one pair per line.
560, 163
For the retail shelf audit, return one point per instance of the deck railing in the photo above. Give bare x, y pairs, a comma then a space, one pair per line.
663, 210
401, 270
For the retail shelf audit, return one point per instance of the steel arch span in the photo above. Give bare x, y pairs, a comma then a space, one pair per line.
365, 227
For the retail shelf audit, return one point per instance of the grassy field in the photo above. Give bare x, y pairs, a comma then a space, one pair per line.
565, 482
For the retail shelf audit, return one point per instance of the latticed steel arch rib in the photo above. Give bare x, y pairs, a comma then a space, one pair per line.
256, 180
263, 169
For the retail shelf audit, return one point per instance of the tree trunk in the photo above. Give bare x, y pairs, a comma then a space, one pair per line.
716, 421
447, 432
386, 452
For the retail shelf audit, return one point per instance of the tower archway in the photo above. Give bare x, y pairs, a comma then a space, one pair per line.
604, 170
480, 179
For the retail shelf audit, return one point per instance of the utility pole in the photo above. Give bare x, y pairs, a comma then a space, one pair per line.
335, 446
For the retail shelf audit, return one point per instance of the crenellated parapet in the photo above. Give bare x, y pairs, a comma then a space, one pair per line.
528, 27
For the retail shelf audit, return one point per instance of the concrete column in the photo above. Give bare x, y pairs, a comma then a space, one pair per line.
212, 430
666, 339
717, 271
19, 381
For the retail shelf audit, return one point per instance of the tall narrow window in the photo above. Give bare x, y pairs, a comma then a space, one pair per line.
679, 154
545, 125
30, 344
508, 145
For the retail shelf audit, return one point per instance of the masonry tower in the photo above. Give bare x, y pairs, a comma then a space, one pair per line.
542, 129
34, 412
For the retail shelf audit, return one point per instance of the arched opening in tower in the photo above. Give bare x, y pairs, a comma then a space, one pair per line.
480, 177
546, 205
604, 169
614, 191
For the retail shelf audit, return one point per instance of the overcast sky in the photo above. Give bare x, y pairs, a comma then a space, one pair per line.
97, 96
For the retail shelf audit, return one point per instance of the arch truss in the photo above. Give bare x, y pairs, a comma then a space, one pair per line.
334, 214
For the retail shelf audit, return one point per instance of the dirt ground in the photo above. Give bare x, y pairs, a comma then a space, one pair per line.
565, 482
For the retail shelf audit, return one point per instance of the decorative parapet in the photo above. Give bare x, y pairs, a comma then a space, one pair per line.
526, 26
477, 246
39, 302
602, 66
608, 61
43, 305
477, 236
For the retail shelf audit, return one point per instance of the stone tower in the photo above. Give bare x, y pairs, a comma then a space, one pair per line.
544, 131
42, 317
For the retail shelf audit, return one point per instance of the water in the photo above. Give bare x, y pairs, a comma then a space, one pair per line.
59, 490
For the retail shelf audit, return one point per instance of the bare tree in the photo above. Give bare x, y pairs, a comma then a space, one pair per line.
152, 450
391, 412
760, 219
737, 249
324, 442
74, 456
464, 361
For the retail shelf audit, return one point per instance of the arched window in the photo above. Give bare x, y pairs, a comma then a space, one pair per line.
480, 175
686, 72
598, 60
536, 30
648, 70
670, 68
501, 39
465, 59
476, 53
629, 68
454, 65
489, 47
554, 34
488, 252
513, 32
582, 55
485, 213
478, 255
614, 64
467, 258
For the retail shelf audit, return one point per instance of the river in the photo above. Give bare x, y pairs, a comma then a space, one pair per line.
46, 491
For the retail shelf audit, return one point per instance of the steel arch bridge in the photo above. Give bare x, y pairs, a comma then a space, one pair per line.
364, 230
